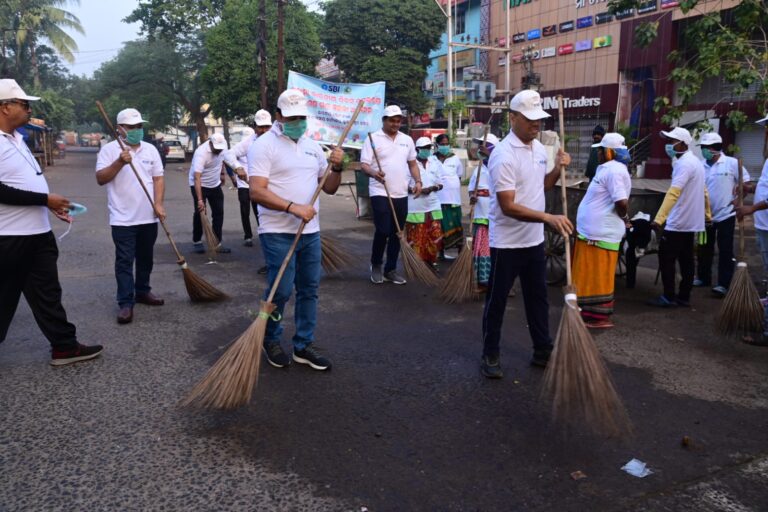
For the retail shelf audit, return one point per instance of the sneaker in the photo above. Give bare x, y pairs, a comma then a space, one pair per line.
699, 283
223, 250
73, 355
540, 358
198, 247
275, 355
720, 291
393, 277
312, 357
262, 270
446, 257
662, 302
490, 367
377, 277
248, 242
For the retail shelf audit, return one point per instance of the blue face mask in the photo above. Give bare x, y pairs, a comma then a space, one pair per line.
443, 150
424, 153
669, 149
295, 129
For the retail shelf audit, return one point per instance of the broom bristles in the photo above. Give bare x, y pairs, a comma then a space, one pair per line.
578, 381
229, 383
334, 257
415, 267
741, 310
211, 240
200, 290
460, 284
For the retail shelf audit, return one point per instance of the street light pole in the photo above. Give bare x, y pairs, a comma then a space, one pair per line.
449, 68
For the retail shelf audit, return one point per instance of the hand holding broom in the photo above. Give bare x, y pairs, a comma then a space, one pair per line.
198, 289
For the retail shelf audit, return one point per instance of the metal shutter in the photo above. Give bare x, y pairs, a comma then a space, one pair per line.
750, 143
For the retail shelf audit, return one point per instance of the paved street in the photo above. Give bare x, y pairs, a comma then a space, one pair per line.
404, 421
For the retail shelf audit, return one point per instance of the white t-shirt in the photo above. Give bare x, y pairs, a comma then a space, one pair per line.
596, 218
238, 157
761, 194
453, 172
19, 169
688, 213
721, 177
127, 202
208, 165
430, 176
293, 170
483, 203
394, 156
522, 168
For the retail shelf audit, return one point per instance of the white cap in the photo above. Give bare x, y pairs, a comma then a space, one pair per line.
762, 121
292, 102
218, 141
709, 138
489, 139
392, 111
10, 90
247, 132
130, 116
680, 134
423, 142
528, 103
611, 140
262, 118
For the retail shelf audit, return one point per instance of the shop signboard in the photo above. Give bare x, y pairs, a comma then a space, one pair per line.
565, 49
584, 22
584, 45
438, 84
603, 17
646, 7
602, 41
517, 57
566, 26
502, 42
669, 4
626, 13
534, 34
548, 52
550, 30
518, 38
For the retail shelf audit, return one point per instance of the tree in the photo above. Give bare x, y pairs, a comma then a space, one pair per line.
232, 74
373, 40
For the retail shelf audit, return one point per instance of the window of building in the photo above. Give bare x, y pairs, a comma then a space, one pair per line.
460, 17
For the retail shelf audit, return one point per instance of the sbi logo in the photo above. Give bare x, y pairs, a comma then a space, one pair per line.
331, 88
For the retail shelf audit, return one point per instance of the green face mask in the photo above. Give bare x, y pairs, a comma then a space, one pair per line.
133, 137
295, 129
443, 150
708, 154
424, 153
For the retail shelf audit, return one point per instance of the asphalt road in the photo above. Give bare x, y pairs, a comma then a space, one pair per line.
404, 421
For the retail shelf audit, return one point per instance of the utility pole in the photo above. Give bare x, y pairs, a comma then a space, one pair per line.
449, 66
263, 50
280, 46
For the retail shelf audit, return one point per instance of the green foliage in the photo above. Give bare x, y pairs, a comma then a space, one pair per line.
626, 131
57, 110
174, 20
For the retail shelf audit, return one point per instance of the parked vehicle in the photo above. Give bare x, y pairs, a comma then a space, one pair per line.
174, 150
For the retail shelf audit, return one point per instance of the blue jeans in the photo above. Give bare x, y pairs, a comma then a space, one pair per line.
133, 244
303, 273
762, 243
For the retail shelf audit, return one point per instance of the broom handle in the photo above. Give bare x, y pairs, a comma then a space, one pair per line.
741, 203
319, 188
563, 196
180, 258
386, 189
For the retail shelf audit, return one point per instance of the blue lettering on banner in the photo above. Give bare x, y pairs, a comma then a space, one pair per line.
534, 34
584, 22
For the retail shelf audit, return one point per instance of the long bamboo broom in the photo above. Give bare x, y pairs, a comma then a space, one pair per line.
460, 284
576, 377
230, 381
334, 257
211, 240
741, 310
198, 289
414, 266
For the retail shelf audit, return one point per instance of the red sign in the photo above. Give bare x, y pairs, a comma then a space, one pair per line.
502, 42
565, 49
517, 57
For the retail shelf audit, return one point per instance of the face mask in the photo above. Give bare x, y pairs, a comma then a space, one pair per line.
74, 209
669, 149
295, 129
622, 155
443, 150
424, 153
708, 154
133, 137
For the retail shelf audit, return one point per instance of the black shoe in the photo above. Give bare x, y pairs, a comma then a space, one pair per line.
223, 250
312, 357
198, 248
77, 353
248, 242
262, 271
490, 367
275, 355
540, 358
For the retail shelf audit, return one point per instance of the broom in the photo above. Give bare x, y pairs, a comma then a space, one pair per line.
334, 257
230, 381
198, 289
460, 284
211, 240
741, 310
414, 266
576, 377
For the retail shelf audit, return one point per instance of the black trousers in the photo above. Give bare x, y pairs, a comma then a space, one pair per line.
676, 247
385, 236
28, 266
722, 233
506, 265
215, 198
244, 196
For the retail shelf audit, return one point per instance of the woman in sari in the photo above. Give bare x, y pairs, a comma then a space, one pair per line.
422, 225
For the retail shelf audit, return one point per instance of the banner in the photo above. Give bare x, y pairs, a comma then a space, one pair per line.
331, 106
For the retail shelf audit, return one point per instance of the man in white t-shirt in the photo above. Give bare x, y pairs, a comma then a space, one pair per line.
205, 177
28, 250
721, 173
133, 221
518, 178
284, 169
685, 210
397, 156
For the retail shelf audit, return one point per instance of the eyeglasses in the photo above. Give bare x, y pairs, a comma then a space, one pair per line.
24, 104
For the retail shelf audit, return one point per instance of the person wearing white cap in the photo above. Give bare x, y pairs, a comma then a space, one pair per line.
479, 195
422, 225
28, 250
131, 217
284, 169
601, 223
519, 176
397, 156
237, 159
683, 213
205, 178
722, 176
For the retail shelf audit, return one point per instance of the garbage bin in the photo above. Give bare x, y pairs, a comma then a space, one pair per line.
363, 195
